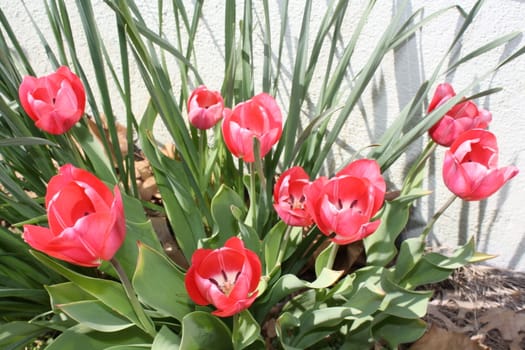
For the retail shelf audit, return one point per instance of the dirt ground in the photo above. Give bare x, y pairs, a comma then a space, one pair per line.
478, 307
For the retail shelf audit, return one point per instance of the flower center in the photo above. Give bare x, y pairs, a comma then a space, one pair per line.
224, 282
297, 203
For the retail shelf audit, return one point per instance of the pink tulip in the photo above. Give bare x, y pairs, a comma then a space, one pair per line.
460, 118
258, 118
86, 220
470, 168
343, 206
226, 277
289, 197
55, 101
370, 170
205, 108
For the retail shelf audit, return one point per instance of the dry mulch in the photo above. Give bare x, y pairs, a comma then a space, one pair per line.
478, 307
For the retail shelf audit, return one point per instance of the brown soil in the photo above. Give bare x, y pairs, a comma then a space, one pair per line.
478, 307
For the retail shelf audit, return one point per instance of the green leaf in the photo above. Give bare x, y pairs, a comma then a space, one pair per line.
221, 210
201, 330
93, 340
95, 315
380, 246
326, 258
166, 340
15, 335
25, 141
410, 253
155, 270
460, 258
110, 293
394, 331
95, 153
424, 273
402, 302
245, 330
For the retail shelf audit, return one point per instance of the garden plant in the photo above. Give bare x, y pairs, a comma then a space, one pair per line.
256, 220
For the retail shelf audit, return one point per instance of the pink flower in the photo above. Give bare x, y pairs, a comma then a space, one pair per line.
343, 206
289, 197
86, 220
205, 108
55, 101
460, 118
258, 118
226, 277
470, 168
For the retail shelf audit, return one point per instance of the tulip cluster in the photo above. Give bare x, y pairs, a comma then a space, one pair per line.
470, 168
342, 207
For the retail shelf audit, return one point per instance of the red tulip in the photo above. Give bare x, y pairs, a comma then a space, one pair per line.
258, 118
370, 170
86, 220
470, 168
460, 118
226, 277
289, 197
343, 206
205, 108
55, 101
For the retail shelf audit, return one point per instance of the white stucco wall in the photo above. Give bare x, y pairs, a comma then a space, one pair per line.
499, 222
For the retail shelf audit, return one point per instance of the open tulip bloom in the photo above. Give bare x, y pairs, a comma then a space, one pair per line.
86, 220
470, 167
290, 199
55, 102
343, 206
226, 277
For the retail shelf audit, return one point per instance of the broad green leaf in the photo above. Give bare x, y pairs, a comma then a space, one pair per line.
424, 273
394, 331
201, 330
93, 340
402, 302
245, 330
460, 258
326, 258
410, 253
95, 315
365, 301
110, 293
288, 284
67, 292
160, 284
221, 211
166, 340
380, 245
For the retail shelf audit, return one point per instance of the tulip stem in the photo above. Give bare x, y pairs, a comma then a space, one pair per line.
418, 165
203, 153
145, 322
436, 216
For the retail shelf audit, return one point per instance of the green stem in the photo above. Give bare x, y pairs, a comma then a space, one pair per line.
436, 216
253, 197
203, 152
146, 323
418, 165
